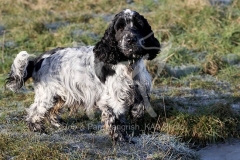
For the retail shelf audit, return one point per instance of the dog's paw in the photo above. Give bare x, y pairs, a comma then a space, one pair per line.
36, 127
57, 122
119, 135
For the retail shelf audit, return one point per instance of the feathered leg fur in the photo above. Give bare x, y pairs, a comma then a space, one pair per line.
38, 110
53, 114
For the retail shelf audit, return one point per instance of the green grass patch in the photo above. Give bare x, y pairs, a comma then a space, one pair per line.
198, 84
20, 147
230, 74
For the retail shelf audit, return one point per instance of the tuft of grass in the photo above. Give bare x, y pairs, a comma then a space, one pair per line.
230, 74
206, 125
213, 64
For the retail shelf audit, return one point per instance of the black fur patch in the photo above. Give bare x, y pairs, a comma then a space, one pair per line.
38, 61
107, 50
103, 70
152, 45
38, 65
29, 69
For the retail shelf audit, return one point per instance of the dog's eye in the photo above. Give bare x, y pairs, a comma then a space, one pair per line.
120, 24
121, 27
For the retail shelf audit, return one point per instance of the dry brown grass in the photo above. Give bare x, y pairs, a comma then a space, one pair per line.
197, 3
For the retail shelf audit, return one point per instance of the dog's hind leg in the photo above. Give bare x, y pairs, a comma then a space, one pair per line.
36, 113
53, 114
43, 102
115, 126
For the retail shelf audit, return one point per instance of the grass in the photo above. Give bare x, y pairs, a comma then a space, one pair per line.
198, 34
207, 124
12, 147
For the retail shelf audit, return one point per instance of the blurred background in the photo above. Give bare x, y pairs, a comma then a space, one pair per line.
202, 33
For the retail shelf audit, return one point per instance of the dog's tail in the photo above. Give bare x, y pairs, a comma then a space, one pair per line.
21, 70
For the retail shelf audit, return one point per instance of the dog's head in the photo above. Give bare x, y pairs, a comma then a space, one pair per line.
128, 37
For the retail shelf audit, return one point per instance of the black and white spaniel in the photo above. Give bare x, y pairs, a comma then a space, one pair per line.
93, 76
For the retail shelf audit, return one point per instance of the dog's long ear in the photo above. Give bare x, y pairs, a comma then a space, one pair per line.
150, 44
106, 50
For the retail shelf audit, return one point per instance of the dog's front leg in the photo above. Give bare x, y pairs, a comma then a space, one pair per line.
115, 125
